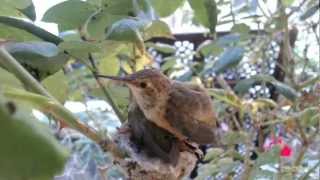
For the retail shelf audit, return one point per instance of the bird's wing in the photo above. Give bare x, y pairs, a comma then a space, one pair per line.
189, 110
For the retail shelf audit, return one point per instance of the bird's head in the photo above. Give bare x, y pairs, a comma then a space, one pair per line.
147, 86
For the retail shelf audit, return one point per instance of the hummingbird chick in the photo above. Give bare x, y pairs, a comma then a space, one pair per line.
184, 110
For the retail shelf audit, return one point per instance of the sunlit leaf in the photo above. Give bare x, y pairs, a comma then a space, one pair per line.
18, 8
242, 29
226, 97
161, 47
57, 85
8, 79
287, 2
169, 63
11, 33
109, 66
205, 12
213, 153
79, 49
210, 48
166, 7
128, 30
157, 29
69, 15
99, 22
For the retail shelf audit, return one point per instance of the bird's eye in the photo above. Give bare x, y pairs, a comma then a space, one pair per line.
143, 85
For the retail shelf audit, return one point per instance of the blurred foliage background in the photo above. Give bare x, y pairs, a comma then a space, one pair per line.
258, 59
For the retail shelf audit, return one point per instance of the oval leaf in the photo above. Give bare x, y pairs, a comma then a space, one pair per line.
205, 12
39, 58
69, 15
27, 150
57, 85
229, 58
166, 7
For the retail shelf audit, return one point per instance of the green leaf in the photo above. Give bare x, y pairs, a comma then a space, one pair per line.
169, 63
69, 15
15, 34
9, 79
82, 46
40, 58
234, 137
229, 58
30, 12
79, 49
310, 12
287, 2
166, 7
118, 7
57, 85
209, 48
157, 29
120, 95
161, 47
285, 90
28, 150
17, 8
128, 30
309, 116
205, 12
226, 97
241, 29
270, 157
99, 22
243, 86
213, 153
109, 66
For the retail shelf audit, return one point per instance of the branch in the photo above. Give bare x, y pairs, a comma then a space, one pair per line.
11, 63
47, 36
48, 103
31, 28
95, 73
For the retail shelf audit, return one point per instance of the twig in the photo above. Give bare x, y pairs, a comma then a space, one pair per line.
47, 36
54, 106
306, 175
104, 90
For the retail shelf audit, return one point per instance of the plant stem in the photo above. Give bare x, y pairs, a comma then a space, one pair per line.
104, 90
47, 36
306, 175
31, 28
11, 63
54, 107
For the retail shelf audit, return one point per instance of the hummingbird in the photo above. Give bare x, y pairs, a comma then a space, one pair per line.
184, 110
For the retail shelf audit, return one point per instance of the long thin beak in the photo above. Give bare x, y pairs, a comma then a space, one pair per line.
116, 78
